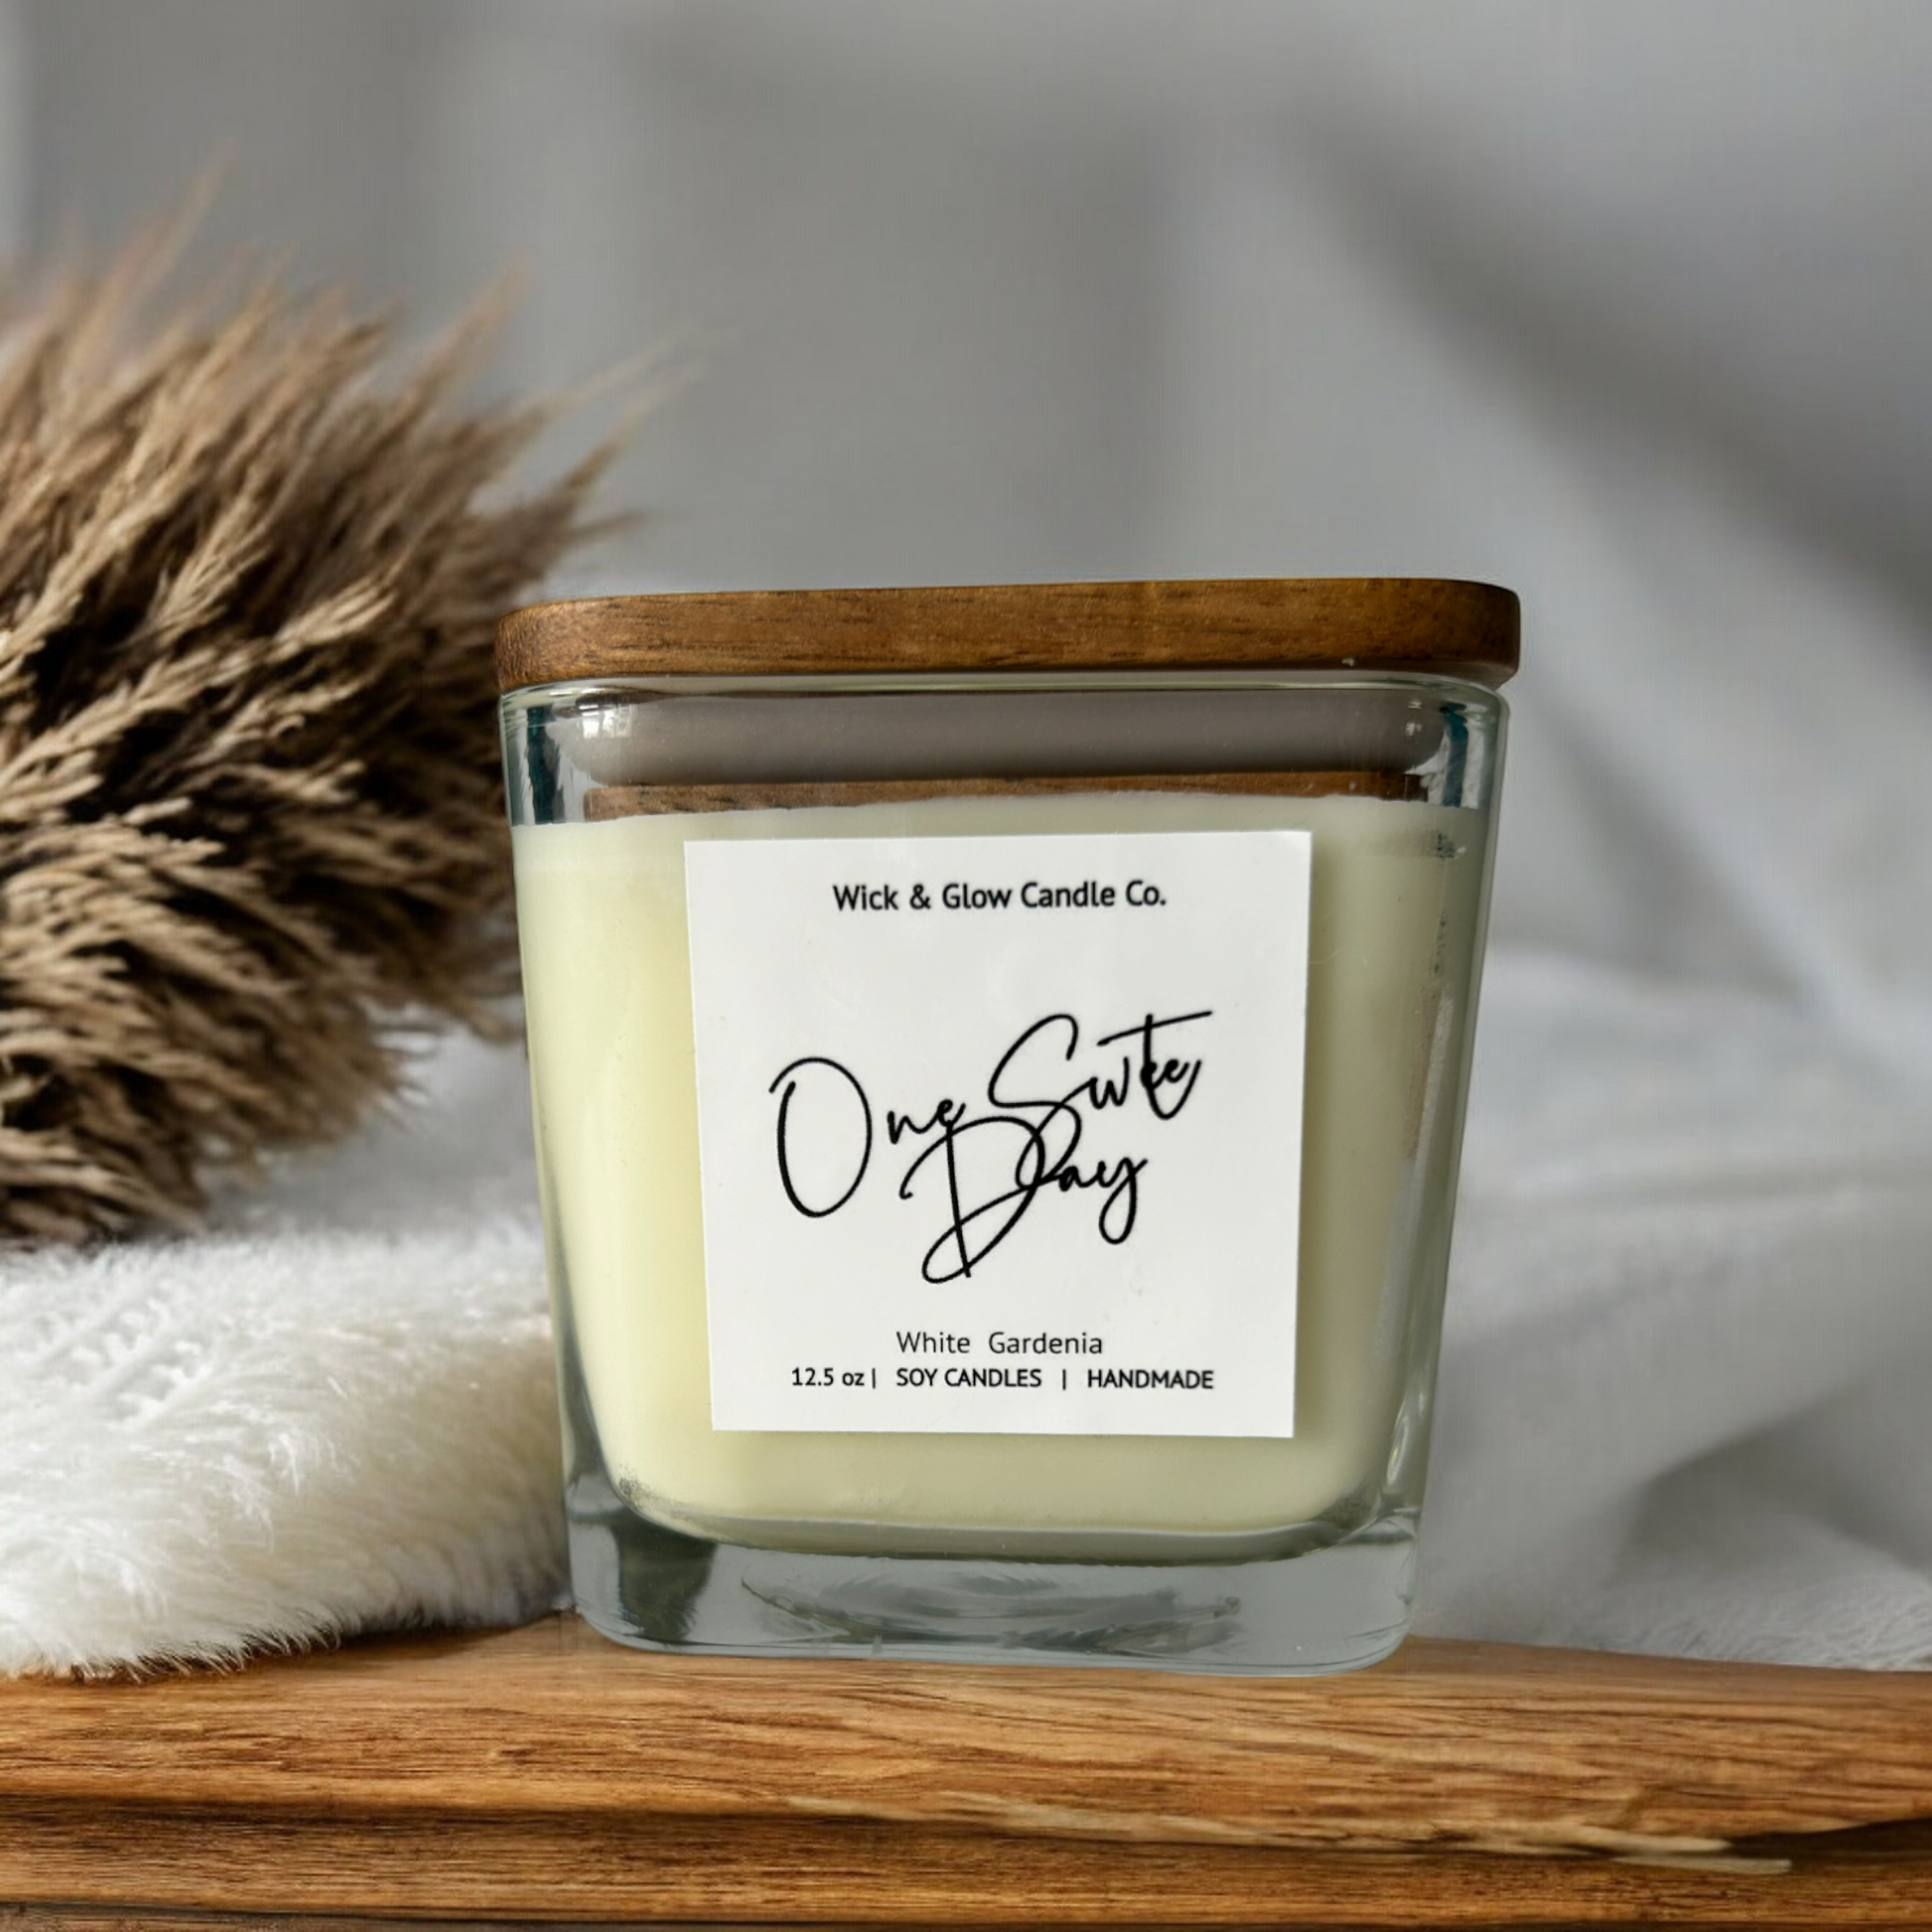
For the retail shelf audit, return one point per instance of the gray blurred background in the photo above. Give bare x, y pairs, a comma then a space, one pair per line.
1000, 288
1060, 288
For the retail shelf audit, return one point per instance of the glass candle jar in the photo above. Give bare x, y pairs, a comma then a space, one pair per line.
999, 1061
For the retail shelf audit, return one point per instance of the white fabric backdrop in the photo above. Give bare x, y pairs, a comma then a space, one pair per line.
1622, 304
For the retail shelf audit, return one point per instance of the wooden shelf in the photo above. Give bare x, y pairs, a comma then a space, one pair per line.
543, 1775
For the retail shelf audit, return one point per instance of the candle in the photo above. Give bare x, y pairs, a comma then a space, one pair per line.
1044, 1176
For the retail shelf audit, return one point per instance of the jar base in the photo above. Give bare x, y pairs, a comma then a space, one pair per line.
1332, 1609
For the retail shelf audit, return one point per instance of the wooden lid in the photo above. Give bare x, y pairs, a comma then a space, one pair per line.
1376, 624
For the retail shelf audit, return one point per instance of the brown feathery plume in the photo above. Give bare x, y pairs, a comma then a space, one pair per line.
252, 819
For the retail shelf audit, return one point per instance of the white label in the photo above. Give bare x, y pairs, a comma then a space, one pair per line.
1001, 1134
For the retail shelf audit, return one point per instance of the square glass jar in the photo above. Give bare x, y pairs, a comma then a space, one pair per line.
999, 1059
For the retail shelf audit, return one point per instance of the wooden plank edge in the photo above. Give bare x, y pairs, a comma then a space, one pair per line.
561, 1872
1445, 1745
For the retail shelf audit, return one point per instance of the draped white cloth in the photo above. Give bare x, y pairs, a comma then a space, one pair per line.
1620, 302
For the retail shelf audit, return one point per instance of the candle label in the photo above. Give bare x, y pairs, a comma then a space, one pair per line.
1001, 1134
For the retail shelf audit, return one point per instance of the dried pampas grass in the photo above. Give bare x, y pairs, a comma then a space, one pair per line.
250, 816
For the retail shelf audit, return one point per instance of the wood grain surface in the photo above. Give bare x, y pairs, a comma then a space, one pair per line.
1458, 629
543, 1775
630, 801
520, 1871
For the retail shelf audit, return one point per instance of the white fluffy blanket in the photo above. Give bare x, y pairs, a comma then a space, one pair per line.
335, 1413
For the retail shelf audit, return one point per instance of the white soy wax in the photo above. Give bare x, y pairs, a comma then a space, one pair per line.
1393, 930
